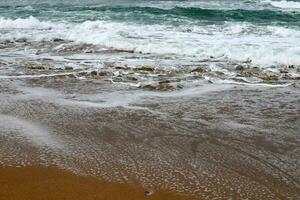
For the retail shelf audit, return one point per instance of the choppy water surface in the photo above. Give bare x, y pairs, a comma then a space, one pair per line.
200, 97
218, 35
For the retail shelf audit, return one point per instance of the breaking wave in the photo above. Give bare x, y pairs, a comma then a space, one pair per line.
284, 4
232, 41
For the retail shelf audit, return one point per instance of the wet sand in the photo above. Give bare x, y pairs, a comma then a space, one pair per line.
211, 141
37, 182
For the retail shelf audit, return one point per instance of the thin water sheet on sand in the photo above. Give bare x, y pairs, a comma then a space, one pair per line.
210, 141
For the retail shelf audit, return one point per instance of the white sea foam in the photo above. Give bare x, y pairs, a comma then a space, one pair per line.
284, 4
30, 131
264, 46
38, 76
26, 23
251, 84
283, 31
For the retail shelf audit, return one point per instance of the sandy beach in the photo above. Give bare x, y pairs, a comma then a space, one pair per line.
149, 99
49, 183
158, 140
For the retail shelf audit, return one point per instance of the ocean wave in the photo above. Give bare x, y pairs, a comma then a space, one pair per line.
27, 23
238, 42
195, 13
158, 40
228, 28
150, 14
284, 4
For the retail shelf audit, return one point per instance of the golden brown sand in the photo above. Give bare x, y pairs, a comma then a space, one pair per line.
45, 183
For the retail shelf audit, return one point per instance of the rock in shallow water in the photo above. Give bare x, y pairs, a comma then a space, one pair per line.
239, 68
161, 86
199, 70
35, 67
145, 68
68, 68
94, 73
270, 78
103, 73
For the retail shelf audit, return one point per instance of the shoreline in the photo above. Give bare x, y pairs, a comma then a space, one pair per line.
38, 182
207, 143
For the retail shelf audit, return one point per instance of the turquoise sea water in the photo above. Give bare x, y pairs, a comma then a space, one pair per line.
158, 12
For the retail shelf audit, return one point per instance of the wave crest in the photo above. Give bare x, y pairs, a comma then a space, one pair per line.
27, 23
284, 4
270, 45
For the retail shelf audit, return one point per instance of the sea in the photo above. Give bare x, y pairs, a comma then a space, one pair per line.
218, 35
199, 97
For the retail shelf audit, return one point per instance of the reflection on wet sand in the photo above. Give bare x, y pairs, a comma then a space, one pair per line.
209, 141
51, 183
